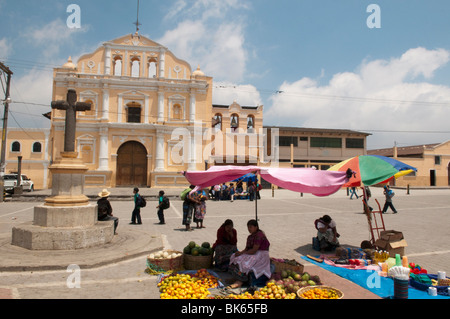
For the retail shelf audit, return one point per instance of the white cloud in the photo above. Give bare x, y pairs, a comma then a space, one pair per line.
226, 93
5, 48
52, 36
382, 95
33, 87
210, 34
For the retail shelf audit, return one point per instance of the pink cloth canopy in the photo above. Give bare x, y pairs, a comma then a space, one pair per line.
302, 180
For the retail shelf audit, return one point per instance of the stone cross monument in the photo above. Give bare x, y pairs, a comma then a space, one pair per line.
66, 220
71, 106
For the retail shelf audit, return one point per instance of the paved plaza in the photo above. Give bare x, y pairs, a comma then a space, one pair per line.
117, 270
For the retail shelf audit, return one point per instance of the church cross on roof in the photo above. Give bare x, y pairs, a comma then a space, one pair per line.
137, 24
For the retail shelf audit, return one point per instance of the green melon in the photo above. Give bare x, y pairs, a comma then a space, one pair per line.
206, 245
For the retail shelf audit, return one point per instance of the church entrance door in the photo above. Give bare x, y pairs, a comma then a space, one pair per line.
131, 165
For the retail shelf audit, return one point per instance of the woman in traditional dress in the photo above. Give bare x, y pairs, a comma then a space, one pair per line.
200, 208
327, 233
225, 245
253, 259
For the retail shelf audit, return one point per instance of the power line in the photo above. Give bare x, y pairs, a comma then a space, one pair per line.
332, 97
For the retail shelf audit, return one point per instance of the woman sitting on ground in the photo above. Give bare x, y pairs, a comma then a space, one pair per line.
254, 259
327, 233
225, 245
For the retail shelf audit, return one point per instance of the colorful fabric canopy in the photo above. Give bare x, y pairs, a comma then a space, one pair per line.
302, 180
372, 169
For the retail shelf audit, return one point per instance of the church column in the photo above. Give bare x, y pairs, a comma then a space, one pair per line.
192, 108
160, 106
125, 65
46, 161
159, 160
192, 152
144, 65
105, 111
146, 109
162, 64
103, 160
108, 61
119, 109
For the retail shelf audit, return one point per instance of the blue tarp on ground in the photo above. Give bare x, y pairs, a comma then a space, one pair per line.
370, 280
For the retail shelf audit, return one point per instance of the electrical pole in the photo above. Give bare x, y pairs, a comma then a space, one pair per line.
8, 72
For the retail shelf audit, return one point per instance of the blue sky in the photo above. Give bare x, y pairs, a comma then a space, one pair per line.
311, 63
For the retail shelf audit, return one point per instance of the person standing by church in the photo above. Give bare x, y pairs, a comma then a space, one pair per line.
136, 214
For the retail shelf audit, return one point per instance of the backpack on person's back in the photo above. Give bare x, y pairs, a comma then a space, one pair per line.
165, 203
141, 201
184, 193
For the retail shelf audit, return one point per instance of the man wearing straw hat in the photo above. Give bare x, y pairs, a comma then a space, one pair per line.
105, 210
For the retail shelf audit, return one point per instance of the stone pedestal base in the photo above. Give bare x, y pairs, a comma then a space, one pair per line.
34, 237
78, 216
63, 228
66, 221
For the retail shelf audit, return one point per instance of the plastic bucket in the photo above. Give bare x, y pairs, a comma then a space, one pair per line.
401, 288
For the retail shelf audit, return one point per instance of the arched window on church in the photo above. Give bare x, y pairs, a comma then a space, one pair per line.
234, 122
117, 65
217, 121
152, 68
250, 123
135, 67
15, 147
37, 147
133, 112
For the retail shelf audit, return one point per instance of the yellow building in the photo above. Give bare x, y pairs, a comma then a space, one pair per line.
151, 115
318, 147
431, 160
33, 146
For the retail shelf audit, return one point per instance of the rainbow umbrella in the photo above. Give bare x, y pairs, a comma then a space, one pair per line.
372, 169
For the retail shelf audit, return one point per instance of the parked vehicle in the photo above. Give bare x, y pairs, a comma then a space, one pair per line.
10, 181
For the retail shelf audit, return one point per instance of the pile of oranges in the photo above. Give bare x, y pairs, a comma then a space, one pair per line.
273, 291
319, 293
270, 291
185, 286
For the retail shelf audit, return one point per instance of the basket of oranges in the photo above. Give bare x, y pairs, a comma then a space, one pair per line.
319, 292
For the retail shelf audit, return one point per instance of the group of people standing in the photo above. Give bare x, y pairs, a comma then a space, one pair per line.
194, 208
225, 192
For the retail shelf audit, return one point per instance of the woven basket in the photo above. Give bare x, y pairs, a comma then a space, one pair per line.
197, 262
168, 263
279, 267
305, 289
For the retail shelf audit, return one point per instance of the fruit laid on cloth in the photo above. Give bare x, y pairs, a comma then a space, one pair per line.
320, 293
270, 291
185, 286
273, 291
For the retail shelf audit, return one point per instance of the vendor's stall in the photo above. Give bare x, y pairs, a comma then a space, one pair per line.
372, 169
391, 279
302, 180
